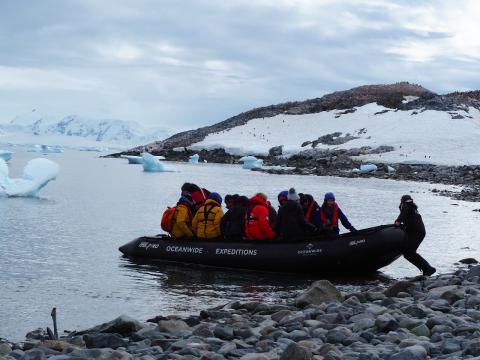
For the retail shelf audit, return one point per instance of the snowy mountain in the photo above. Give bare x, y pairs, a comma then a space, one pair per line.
35, 127
416, 124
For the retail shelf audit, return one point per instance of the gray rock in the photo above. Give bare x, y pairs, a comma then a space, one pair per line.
37, 334
100, 354
386, 323
99, 341
296, 352
473, 348
416, 310
123, 325
254, 356
17, 354
279, 315
421, 330
34, 354
5, 349
363, 324
474, 271
415, 352
223, 332
469, 261
276, 151
338, 335
450, 345
319, 292
172, 326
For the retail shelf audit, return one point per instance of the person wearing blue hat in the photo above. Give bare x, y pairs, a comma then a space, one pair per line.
207, 220
330, 214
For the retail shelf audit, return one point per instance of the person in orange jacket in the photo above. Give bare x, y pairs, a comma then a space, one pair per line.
257, 219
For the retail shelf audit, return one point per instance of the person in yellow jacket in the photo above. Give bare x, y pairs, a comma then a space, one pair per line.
182, 218
206, 223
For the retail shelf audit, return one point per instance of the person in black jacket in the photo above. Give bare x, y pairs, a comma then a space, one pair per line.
291, 223
232, 225
412, 221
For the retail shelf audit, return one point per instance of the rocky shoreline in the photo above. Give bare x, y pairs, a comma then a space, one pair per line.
418, 318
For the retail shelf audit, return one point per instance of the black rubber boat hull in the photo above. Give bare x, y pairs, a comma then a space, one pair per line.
364, 251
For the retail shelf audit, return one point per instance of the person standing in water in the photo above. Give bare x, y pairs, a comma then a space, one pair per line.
412, 221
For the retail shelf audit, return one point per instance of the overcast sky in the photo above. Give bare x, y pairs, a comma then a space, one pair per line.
190, 63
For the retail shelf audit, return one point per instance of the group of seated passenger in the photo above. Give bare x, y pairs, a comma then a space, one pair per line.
199, 214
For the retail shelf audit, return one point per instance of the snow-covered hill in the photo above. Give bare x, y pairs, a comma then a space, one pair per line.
420, 125
439, 137
73, 130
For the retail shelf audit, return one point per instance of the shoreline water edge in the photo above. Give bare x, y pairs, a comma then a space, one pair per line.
414, 318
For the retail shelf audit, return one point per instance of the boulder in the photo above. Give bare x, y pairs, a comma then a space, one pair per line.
172, 326
123, 325
296, 352
399, 286
319, 292
276, 151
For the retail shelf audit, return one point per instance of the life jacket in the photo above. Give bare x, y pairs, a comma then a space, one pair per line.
257, 217
308, 213
205, 221
333, 220
168, 219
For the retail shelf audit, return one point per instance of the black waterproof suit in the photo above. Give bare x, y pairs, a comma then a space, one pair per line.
291, 223
415, 230
233, 223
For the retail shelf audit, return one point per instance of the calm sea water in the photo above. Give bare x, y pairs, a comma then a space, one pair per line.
62, 249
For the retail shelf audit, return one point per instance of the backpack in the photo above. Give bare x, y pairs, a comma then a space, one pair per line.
167, 219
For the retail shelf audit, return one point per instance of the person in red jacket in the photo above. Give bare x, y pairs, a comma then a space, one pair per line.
257, 219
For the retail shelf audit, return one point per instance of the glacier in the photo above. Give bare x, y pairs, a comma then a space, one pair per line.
251, 162
194, 159
152, 164
5, 155
36, 174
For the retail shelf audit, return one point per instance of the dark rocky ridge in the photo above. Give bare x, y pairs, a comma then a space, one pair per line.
390, 96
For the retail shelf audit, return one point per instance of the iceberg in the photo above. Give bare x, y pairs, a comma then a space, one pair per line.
5, 155
36, 174
132, 159
152, 164
194, 159
251, 162
45, 149
367, 168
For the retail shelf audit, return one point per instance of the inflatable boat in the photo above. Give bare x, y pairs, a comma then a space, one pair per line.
364, 251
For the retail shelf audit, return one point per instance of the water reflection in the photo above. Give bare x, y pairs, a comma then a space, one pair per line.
198, 280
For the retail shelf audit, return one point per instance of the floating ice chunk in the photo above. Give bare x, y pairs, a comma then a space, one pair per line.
45, 149
194, 159
133, 159
5, 155
367, 168
152, 164
251, 162
390, 169
36, 174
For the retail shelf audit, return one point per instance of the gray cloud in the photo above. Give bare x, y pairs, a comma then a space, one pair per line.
191, 63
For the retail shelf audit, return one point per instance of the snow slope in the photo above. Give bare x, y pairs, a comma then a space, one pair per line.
429, 136
35, 128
